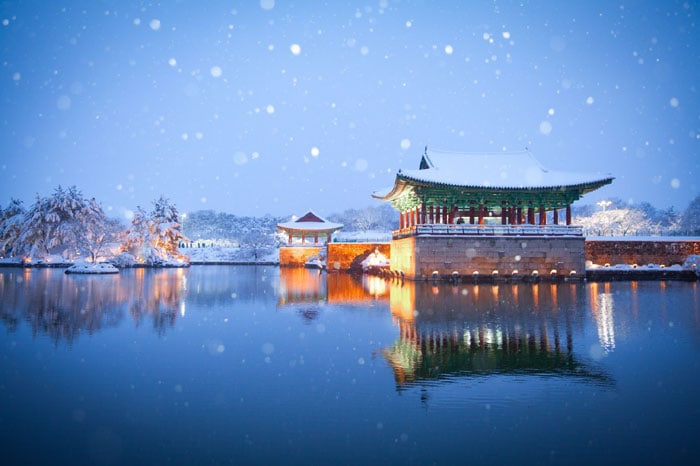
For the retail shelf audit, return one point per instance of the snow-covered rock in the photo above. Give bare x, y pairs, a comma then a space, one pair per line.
89, 267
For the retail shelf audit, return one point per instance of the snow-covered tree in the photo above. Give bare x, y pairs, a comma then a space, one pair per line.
615, 222
93, 233
690, 223
63, 223
10, 227
154, 237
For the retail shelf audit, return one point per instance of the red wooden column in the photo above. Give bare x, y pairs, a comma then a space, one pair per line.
543, 216
431, 219
471, 213
423, 219
481, 214
530, 216
556, 216
445, 215
568, 215
519, 216
504, 213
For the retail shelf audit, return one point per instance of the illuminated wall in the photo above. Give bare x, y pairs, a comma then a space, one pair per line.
418, 257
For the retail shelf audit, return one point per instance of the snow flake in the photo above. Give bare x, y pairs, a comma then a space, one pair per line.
137, 22
590, 100
268, 348
267, 4
674, 102
184, 136
449, 49
216, 71
270, 109
675, 183
506, 35
550, 112
63, 102
364, 50
154, 24
545, 127
199, 135
295, 49
172, 62
315, 151
239, 158
405, 144
16, 76
5, 22
361, 165
409, 23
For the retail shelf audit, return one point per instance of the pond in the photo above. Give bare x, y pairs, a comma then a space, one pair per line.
262, 365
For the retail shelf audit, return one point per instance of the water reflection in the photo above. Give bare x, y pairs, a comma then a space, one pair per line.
602, 305
472, 330
307, 291
64, 306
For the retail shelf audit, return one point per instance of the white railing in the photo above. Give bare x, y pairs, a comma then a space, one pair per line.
490, 230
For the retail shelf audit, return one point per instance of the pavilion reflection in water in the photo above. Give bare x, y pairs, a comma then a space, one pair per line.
476, 330
308, 290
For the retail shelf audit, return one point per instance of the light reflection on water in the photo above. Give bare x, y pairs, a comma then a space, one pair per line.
308, 367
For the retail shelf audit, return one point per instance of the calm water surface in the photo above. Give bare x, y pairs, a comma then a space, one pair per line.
261, 365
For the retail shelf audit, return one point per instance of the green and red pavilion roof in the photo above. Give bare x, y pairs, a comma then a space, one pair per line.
489, 179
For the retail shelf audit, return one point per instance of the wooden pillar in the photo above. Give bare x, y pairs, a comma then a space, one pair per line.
432, 214
568, 215
471, 214
445, 215
556, 216
504, 213
530, 215
316, 238
453, 211
543, 216
481, 214
519, 216
422, 214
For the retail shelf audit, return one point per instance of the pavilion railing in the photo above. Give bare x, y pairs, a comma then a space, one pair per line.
439, 229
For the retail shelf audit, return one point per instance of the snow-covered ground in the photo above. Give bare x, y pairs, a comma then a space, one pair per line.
231, 255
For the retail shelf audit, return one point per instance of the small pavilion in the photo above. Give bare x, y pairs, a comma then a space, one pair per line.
309, 229
467, 214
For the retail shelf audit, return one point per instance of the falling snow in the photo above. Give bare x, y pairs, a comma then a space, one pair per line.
259, 107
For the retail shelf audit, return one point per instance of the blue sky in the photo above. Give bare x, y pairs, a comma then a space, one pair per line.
279, 107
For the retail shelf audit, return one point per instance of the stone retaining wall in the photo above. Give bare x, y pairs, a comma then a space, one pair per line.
619, 251
349, 256
419, 257
297, 256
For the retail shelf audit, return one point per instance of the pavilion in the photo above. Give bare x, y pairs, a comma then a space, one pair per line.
454, 201
309, 229
307, 239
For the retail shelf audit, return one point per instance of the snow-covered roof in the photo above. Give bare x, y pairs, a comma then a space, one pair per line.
499, 170
310, 222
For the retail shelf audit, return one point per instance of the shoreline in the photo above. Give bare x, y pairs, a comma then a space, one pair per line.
592, 275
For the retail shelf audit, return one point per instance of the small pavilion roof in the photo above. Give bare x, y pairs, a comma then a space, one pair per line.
310, 222
491, 171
